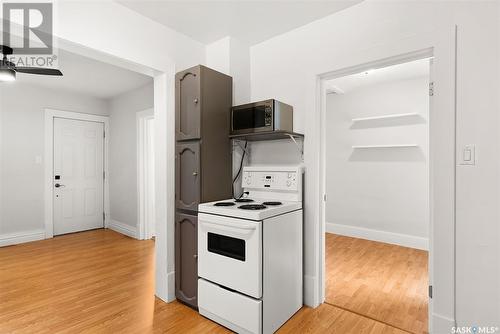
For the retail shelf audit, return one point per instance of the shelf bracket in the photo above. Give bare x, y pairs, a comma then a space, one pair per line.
299, 148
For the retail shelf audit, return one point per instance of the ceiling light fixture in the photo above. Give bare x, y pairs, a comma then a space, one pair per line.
7, 74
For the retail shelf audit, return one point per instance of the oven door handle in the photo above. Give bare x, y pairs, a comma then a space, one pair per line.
241, 229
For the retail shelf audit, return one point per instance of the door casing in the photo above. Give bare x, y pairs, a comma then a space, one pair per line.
50, 114
145, 230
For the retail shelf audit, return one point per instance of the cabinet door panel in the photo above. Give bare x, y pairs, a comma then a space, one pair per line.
187, 176
188, 105
186, 258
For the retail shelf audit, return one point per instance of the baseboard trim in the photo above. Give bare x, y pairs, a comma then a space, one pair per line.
123, 228
441, 324
310, 291
171, 286
381, 236
21, 237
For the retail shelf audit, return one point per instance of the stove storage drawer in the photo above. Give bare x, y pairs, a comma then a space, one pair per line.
237, 312
230, 253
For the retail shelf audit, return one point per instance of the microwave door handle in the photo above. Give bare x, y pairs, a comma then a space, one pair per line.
241, 229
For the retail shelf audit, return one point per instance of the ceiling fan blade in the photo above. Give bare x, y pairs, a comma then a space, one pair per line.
38, 70
5, 50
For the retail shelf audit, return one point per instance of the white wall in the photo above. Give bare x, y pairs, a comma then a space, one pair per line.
22, 131
382, 191
282, 67
232, 57
123, 153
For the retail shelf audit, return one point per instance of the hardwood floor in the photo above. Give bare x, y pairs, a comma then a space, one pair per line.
385, 282
103, 282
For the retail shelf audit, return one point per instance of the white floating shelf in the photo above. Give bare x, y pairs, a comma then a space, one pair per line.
384, 146
384, 117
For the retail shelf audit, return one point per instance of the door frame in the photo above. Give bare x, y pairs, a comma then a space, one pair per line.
142, 173
50, 115
396, 60
442, 167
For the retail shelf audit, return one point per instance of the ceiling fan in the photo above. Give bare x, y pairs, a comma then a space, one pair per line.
8, 69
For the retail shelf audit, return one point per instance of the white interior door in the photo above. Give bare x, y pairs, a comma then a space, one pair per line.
78, 175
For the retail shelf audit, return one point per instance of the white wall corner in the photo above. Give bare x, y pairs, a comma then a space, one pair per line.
404, 240
218, 54
232, 57
21, 237
123, 228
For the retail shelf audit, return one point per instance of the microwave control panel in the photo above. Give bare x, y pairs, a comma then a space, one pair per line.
268, 116
279, 180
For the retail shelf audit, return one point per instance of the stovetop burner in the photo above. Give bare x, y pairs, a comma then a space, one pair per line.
224, 204
252, 207
272, 203
243, 200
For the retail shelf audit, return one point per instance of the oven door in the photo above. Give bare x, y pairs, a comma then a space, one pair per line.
230, 253
252, 117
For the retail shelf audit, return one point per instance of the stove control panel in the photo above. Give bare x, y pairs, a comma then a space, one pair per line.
278, 180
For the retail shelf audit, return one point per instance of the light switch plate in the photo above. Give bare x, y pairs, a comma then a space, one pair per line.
467, 155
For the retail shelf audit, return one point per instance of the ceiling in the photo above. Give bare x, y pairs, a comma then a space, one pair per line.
414, 69
249, 21
88, 77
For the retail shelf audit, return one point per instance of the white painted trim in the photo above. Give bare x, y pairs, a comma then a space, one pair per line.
441, 324
404, 240
50, 114
142, 175
442, 143
310, 289
123, 228
164, 106
171, 285
21, 237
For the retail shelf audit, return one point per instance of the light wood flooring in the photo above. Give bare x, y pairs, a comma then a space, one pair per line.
385, 282
103, 282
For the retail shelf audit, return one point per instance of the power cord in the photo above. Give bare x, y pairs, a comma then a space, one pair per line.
239, 169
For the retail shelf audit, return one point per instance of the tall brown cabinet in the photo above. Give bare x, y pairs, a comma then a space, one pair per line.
203, 165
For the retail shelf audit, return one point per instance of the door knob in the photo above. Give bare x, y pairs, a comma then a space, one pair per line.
195, 101
57, 185
195, 173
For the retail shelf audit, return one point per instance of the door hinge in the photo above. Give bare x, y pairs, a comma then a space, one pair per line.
104, 216
104, 134
324, 197
430, 291
104, 175
431, 88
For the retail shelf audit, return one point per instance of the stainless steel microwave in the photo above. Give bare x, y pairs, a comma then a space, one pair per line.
264, 116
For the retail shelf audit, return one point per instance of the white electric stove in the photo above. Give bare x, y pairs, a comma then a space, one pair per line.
250, 252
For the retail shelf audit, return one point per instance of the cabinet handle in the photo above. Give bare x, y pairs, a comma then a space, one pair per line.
195, 101
195, 173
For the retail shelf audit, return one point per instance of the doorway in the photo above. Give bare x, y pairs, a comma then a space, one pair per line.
146, 173
76, 164
377, 215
